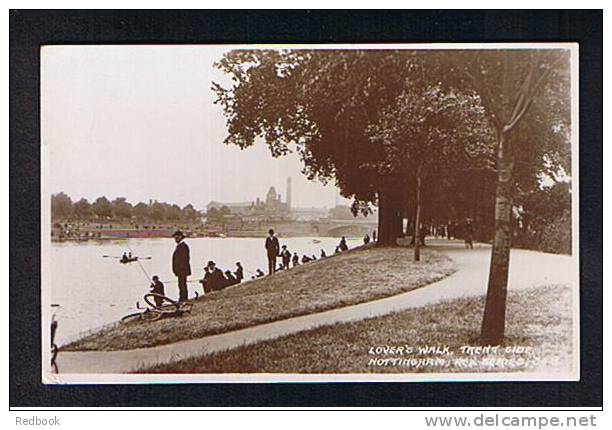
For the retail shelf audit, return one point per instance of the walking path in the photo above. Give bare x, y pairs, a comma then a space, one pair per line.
527, 269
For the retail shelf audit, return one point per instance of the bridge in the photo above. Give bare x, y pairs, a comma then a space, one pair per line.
325, 227
344, 227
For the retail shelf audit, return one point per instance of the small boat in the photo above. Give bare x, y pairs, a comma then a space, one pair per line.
316, 241
128, 260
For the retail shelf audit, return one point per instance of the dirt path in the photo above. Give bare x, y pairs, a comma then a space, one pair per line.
527, 269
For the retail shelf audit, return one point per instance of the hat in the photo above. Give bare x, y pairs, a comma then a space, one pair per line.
210, 263
178, 233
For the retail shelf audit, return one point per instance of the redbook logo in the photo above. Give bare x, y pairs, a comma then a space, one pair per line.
37, 421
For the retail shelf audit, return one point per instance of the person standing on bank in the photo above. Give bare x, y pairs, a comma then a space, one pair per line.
295, 259
469, 234
286, 257
239, 273
180, 264
272, 249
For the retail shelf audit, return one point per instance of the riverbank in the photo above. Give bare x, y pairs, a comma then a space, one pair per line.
440, 335
357, 276
159, 234
84, 231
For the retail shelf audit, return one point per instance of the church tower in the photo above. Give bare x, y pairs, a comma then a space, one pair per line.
288, 195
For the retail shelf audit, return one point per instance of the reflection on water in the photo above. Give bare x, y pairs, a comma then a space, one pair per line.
93, 291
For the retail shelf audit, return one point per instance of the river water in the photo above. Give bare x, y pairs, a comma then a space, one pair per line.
92, 290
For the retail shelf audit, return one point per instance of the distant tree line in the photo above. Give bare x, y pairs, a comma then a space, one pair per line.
119, 209
216, 215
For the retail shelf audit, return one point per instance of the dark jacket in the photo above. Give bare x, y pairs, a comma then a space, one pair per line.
272, 246
180, 260
157, 288
215, 280
230, 279
239, 273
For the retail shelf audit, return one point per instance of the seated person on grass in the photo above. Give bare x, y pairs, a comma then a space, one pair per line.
157, 287
230, 279
217, 280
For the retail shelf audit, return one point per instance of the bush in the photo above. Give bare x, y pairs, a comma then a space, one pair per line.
557, 235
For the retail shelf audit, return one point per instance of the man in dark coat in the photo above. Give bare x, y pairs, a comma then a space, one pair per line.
286, 257
216, 280
205, 281
180, 264
239, 273
272, 249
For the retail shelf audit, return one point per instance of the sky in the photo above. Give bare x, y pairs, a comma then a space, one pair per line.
140, 122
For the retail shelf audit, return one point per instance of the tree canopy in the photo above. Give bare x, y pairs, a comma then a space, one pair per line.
376, 122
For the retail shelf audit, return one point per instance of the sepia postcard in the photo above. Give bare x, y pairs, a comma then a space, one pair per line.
265, 213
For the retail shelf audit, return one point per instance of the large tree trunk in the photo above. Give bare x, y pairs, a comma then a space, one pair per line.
417, 220
493, 322
389, 220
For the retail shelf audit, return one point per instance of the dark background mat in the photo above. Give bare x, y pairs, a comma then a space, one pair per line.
31, 29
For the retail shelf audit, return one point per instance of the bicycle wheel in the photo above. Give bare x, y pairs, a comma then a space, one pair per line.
131, 317
151, 315
167, 303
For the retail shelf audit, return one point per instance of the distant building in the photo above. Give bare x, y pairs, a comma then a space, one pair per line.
238, 208
310, 214
343, 212
289, 192
271, 207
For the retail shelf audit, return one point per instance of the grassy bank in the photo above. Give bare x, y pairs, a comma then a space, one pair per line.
344, 279
538, 336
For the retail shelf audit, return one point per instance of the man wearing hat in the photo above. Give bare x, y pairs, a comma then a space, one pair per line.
273, 250
216, 280
180, 264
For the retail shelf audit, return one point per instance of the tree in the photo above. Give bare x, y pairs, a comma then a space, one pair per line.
61, 206
544, 219
82, 209
320, 104
428, 134
190, 214
212, 215
173, 213
122, 209
102, 208
157, 212
141, 211
509, 83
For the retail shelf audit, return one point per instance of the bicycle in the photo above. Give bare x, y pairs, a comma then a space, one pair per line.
167, 308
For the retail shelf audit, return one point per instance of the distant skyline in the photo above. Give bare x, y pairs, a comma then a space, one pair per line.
140, 122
